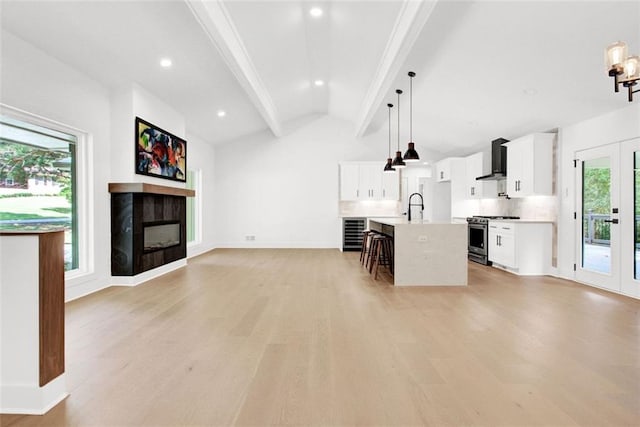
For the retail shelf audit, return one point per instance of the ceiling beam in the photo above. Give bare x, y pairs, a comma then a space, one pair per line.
411, 19
215, 20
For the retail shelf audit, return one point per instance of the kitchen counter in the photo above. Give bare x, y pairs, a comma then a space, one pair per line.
426, 253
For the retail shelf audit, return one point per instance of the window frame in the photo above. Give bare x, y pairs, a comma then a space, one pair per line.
83, 195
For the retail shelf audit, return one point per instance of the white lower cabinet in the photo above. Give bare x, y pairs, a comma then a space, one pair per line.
520, 247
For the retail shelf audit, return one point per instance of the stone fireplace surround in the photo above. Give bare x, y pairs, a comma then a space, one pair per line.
134, 206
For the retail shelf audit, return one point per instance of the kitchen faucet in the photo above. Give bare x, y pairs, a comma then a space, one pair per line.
421, 204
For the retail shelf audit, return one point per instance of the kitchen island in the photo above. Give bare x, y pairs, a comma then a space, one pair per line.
426, 253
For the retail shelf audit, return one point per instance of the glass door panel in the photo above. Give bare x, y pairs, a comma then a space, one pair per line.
630, 217
596, 205
598, 210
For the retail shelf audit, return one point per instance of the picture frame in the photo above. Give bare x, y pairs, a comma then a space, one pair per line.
159, 153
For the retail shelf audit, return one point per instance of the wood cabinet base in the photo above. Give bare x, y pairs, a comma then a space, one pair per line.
32, 377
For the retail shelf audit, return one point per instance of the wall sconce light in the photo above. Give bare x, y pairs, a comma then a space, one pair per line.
623, 68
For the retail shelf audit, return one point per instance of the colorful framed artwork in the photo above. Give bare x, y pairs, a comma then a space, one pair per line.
159, 153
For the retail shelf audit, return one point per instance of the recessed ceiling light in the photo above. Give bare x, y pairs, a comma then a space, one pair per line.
222, 113
319, 82
165, 63
529, 91
316, 12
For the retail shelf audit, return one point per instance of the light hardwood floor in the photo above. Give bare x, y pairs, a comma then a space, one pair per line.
306, 337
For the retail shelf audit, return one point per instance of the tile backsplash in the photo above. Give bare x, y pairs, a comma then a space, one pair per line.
369, 208
542, 208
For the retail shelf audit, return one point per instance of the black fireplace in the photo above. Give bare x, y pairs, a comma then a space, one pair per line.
147, 231
159, 236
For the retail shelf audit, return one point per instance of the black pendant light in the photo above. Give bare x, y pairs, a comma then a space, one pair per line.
388, 168
411, 155
398, 163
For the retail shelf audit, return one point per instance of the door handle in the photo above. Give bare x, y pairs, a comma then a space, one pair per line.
612, 221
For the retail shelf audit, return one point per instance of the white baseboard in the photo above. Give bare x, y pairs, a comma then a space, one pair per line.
32, 400
147, 275
277, 245
197, 250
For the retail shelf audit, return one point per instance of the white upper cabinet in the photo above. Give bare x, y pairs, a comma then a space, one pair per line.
349, 182
391, 186
478, 165
530, 165
367, 181
445, 168
371, 181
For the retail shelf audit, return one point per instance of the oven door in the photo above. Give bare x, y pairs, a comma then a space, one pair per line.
478, 239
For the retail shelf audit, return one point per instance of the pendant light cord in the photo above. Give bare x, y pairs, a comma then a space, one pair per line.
389, 105
398, 91
411, 108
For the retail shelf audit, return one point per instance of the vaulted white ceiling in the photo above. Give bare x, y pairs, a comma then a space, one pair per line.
484, 69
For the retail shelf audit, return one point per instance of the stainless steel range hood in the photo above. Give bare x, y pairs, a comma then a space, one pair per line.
498, 161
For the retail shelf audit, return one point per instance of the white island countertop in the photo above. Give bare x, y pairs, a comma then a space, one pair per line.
404, 221
426, 253
523, 221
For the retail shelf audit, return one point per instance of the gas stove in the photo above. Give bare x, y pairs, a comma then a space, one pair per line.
480, 219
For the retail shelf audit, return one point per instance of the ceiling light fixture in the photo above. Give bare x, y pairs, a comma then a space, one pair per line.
388, 168
319, 82
620, 64
411, 155
316, 12
222, 113
398, 163
165, 63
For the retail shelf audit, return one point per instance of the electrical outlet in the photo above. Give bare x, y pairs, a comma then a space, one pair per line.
250, 237
422, 238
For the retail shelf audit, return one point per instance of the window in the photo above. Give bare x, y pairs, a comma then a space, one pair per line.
38, 179
193, 207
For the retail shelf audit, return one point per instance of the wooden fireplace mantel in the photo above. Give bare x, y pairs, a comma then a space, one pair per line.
142, 187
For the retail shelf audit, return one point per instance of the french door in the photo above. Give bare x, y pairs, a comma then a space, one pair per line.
607, 213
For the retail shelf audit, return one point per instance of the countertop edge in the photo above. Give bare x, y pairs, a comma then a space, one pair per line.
523, 221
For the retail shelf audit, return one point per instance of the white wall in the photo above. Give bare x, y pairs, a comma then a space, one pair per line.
34, 82
619, 125
284, 191
127, 103
39, 84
